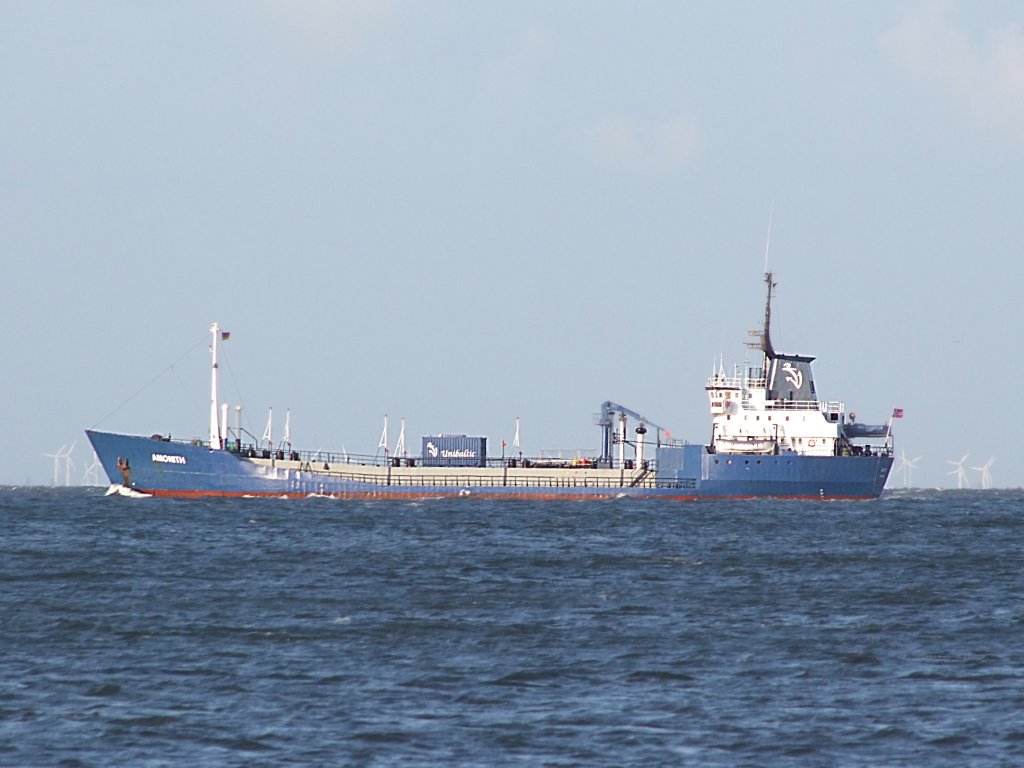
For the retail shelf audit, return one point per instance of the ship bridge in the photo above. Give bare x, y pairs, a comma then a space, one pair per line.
751, 392
754, 392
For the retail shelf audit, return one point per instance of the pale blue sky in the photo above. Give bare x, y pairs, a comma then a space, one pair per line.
464, 212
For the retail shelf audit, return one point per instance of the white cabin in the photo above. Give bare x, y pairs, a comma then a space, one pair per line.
774, 408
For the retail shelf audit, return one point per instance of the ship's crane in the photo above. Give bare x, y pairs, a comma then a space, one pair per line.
607, 423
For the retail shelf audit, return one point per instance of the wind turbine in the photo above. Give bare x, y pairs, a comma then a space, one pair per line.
62, 456
986, 475
68, 464
961, 475
91, 476
56, 463
908, 466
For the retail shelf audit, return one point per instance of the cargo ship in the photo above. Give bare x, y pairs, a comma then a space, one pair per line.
771, 436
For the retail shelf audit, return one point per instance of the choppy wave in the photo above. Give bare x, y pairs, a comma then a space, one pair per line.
262, 631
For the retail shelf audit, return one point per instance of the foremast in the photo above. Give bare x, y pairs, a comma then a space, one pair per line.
216, 431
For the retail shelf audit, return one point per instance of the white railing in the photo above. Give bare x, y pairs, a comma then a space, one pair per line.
829, 406
735, 382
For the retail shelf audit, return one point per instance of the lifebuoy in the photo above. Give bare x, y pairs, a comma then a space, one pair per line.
810, 443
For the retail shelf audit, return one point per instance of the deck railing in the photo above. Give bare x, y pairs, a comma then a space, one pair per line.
825, 406
511, 481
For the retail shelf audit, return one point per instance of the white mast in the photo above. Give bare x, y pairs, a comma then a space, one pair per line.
400, 445
287, 438
515, 440
384, 436
268, 436
214, 420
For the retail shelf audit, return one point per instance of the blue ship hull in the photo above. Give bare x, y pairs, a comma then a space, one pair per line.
771, 436
162, 468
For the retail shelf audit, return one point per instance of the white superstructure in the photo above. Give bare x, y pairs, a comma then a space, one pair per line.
745, 420
774, 408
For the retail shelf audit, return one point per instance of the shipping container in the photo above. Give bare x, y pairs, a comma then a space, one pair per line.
454, 451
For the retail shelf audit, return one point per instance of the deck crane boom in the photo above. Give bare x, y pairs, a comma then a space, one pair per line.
607, 423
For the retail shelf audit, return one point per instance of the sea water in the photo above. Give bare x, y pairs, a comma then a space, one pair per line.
471, 632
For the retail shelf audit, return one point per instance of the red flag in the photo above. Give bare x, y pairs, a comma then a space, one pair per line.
225, 335
897, 413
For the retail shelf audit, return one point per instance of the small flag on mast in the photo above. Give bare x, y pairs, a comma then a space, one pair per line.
897, 413
225, 335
